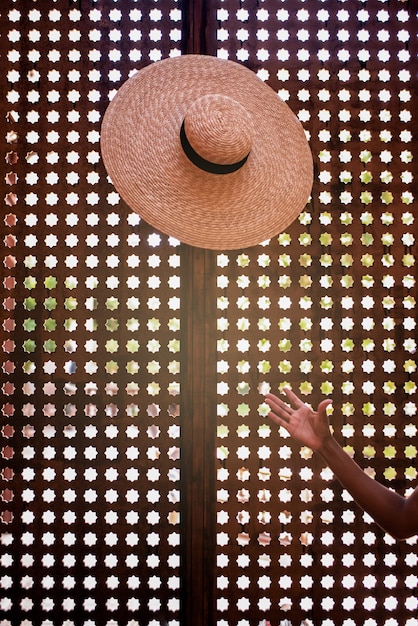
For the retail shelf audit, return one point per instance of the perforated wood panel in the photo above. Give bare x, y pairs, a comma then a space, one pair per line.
123, 353
90, 336
328, 309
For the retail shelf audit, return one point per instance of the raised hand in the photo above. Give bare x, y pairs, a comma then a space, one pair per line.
309, 427
396, 514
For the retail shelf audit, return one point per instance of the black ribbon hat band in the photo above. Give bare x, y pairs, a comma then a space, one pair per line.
203, 164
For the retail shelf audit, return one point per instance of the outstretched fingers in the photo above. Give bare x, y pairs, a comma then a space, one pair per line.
293, 398
280, 411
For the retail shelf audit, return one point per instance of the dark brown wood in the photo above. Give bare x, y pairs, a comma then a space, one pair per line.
198, 419
193, 19
199, 36
198, 393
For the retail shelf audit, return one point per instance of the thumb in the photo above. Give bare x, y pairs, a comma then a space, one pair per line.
322, 407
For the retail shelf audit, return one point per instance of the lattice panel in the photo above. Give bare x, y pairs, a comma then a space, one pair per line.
328, 308
91, 322
90, 418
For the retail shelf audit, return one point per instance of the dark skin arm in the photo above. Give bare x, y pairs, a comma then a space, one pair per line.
395, 514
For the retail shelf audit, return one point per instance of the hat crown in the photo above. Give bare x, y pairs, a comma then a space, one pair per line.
219, 129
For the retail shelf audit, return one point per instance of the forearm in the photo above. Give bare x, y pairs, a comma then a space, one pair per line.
395, 514
385, 506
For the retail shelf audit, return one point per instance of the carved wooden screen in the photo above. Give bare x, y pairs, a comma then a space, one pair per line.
141, 484
90, 344
328, 308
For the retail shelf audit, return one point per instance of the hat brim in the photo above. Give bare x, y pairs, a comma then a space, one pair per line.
142, 153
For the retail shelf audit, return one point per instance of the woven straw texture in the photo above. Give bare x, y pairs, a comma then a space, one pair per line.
142, 152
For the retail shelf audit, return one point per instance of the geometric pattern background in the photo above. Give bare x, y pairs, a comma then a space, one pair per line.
97, 359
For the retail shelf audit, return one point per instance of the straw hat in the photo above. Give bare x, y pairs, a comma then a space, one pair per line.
206, 152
